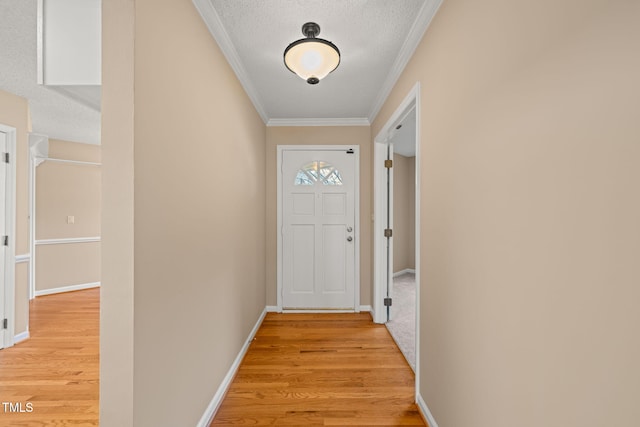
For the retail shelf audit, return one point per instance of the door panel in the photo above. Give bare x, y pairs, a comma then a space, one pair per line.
334, 236
334, 204
303, 258
304, 204
318, 214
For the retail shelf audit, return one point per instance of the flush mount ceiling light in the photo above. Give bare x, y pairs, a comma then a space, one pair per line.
312, 59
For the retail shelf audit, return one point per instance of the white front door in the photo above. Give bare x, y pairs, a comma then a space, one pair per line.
3, 232
318, 229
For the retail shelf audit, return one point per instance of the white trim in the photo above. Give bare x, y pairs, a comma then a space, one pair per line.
379, 213
23, 258
36, 142
418, 233
419, 27
412, 100
216, 28
405, 271
39, 146
67, 240
72, 162
9, 284
356, 149
218, 397
424, 409
355, 121
70, 288
21, 337
272, 309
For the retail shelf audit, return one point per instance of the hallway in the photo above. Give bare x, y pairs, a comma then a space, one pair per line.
325, 369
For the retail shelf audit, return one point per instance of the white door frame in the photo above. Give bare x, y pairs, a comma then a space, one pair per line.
382, 275
356, 234
38, 153
9, 283
380, 142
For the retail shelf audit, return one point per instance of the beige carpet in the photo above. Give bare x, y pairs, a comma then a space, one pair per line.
403, 319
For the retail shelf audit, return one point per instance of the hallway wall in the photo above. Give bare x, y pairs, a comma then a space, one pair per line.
529, 201
320, 135
183, 242
404, 213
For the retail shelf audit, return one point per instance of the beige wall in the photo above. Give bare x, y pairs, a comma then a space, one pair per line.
117, 141
196, 211
58, 266
320, 135
404, 212
14, 112
59, 149
529, 212
63, 190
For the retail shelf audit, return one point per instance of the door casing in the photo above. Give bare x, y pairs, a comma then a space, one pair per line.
380, 143
356, 235
8, 275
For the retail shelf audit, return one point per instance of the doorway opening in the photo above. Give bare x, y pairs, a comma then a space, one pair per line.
397, 227
402, 320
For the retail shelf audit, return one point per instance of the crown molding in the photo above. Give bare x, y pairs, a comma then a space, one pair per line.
419, 27
356, 121
214, 24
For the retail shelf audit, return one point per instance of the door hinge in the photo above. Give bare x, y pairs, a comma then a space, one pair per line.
5, 324
387, 302
388, 164
350, 151
5, 240
6, 157
388, 232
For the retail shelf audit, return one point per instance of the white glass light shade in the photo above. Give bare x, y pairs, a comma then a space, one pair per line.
312, 59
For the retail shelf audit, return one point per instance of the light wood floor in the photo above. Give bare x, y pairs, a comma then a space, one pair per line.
57, 369
300, 370
306, 369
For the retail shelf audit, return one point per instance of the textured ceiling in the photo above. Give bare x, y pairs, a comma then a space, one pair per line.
373, 36
52, 113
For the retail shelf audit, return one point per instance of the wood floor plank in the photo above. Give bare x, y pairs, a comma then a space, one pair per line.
321, 369
57, 369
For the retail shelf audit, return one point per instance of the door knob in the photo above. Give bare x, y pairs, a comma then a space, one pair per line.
349, 239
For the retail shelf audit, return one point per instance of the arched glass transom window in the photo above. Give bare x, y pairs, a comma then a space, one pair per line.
318, 171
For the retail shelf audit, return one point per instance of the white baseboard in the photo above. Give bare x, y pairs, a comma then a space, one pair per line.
426, 413
21, 337
405, 271
216, 401
67, 289
276, 309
